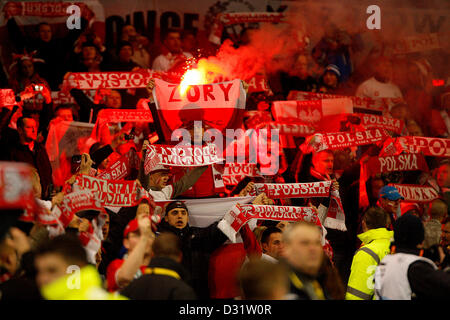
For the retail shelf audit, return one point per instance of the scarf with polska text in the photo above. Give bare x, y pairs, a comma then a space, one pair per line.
335, 218
429, 146
319, 189
416, 193
122, 167
340, 140
230, 18
111, 193
180, 156
239, 215
379, 164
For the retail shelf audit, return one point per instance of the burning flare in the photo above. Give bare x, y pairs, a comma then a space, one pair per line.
191, 77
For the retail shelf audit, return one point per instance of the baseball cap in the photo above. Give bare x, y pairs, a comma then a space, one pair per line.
390, 193
132, 226
160, 168
176, 204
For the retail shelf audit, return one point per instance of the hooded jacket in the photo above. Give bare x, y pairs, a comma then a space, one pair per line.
376, 245
164, 279
197, 246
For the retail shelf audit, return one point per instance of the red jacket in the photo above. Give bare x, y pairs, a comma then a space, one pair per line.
205, 186
225, 263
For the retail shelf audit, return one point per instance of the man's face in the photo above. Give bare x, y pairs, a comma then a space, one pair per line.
383, 71
399, 112
445, 235
189, 42
274, 245
323, 162
29, 131
304, 250
125, 53
27, 68
113, 100
45, 33
160, 179
105, 227
390, 206
173, 42
443, 176
129, 30
302, 66
88, 53
177, 218
415, 130
330, 79
65, 114
131, 241
50, 267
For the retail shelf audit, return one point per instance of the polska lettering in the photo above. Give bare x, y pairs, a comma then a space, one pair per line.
183, 156
402, 162
111, 80
294, 190
120, 193
349, 139
416, 193
239, 215
45, 9
437, 147
125, 115
370, 121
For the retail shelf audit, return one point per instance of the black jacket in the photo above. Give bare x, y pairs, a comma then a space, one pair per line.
160, 286
303, 288
197, 246
425, 281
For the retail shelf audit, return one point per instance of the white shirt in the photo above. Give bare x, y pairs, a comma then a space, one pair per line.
372, 88
164, 62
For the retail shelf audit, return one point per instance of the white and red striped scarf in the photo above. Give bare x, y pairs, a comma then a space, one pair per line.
335, 215
239, 215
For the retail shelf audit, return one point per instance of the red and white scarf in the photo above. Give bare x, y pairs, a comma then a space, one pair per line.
402, 162
122, 167
335, 218
239, 215
319, 189
339, 140
181, 156
416, 193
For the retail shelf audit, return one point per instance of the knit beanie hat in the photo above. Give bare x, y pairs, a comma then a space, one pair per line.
334, 69
408, 231
176, 204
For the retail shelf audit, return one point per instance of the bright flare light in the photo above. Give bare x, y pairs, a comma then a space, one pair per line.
191, 77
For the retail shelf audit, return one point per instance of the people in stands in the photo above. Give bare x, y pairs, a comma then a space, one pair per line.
165, 277
405, 274
173, 55
380, 85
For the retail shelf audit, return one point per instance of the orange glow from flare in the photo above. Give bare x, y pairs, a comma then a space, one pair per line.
191, 77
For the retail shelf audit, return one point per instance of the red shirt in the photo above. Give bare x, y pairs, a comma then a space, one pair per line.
111, 283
